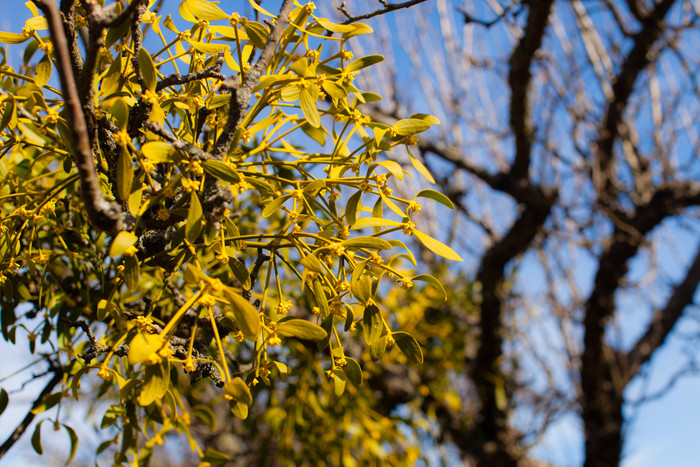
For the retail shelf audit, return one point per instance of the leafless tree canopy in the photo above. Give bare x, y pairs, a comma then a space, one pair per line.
569, 143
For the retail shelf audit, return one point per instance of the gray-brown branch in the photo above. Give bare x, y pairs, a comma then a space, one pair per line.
241, 93
24, 424
388, 7
664, 320
637, 60
102, 214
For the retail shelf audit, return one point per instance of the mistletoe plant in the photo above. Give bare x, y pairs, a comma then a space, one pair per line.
160, 213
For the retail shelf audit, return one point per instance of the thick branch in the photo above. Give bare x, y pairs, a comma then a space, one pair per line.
486, 373
664, 320
519, 82
102, 214
241, 93
24, 424
67, 16
602, 384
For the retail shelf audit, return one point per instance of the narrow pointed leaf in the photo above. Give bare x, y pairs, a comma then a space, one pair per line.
427, 278
409, 346
301, 329
438, 247
436, 196
245, 315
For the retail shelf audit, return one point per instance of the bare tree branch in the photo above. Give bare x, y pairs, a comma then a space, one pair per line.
213, 71
57, 371
637, 60
664, 320
388, 7
102, 214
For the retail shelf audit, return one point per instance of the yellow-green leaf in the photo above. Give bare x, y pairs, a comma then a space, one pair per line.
372, 324
206, 10
73, 443
121, 242
239, 271
373, 243
125, 174
156, 380
148, 70
142, 346
257, 33
221, 170
353, 371
312, 263
409, 346
335, 27
38, 23
428, 279
274, 205
378, 347
239, 391
36, 438
410, 126
193, 224
351, 208
334, 90
428, 118
338, 382
361, 285
131, 272
4, 399
422, 169
245, 314
364, 62
208, 48
158, 151
43, 71
308, 108
13, 38
436, 196
48, 402
393, 167
301, 329
365, 222
240, 410
320, 296
359, 29
437, 247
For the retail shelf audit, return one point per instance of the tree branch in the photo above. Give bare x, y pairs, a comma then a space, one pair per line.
241, 93
24, 424
664, 320
195, 152
388, 7
213, 71
519, 81
102, 214
637, 60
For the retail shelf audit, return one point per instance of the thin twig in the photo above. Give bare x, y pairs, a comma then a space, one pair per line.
213, 71
24, 424
388, 7
195, 152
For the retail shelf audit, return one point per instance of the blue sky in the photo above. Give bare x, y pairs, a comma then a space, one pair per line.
663, 432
